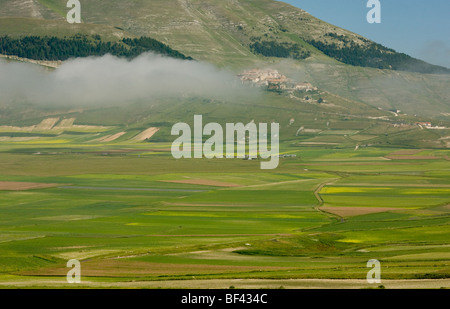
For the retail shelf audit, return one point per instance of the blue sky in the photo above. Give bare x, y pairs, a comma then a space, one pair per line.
418, 28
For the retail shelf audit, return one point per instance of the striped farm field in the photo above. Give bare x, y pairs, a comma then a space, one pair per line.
134, 217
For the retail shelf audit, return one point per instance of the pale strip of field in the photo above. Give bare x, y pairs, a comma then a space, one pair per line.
71, 247
415, 185
218, 235
278, 183
352, 160
145, 134
67, 218
65, 123
412, 157
355, 211
89, 128
69, 124
317, 143
204, 182
127, 189
312, 130
52, 64
17, 129
9, 238
363, 163
82, 255
207, 204
19, 186
406, 152
421, 256
237, 283
406, 247
110, 138
47, 124
18, 139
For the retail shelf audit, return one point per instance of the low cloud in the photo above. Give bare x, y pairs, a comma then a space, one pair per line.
109, 81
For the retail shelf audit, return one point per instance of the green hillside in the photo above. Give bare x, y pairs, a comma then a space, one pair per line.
227, 30
79, 46
247, 34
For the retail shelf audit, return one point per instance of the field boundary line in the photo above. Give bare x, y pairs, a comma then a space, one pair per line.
321, 201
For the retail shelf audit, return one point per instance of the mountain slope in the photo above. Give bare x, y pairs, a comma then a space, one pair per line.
221, 32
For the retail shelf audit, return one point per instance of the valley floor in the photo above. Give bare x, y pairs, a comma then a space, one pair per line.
138, 218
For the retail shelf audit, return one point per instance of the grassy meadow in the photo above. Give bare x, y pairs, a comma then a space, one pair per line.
136, 217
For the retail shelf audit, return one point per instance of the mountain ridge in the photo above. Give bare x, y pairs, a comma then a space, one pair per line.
217, 31
221, 32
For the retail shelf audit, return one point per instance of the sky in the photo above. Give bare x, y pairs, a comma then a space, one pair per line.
418, 28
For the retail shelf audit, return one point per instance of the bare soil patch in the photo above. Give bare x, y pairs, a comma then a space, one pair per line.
47, 124
146, 134
110, 138
65, 123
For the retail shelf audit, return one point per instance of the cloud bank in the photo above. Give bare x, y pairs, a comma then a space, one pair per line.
111, 81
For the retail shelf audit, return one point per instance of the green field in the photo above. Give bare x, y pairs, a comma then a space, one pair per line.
359, 178
131, 222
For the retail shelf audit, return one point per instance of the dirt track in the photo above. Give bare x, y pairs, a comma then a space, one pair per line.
237, 283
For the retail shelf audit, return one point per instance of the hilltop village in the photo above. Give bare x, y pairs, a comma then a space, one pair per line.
273, 80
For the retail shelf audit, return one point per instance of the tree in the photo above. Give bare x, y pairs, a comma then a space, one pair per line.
54, 48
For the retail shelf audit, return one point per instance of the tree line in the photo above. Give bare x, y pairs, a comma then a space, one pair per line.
374, 55
54, 48
279, 50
